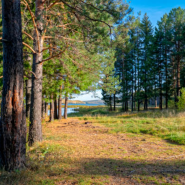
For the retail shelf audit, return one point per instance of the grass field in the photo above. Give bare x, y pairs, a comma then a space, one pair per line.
113, 148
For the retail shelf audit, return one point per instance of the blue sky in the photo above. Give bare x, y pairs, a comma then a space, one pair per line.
155, 10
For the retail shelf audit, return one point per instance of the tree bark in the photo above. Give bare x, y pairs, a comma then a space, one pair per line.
13, 118
166, 70
110, 100
123, 83
55, 110
60, 107
28, 93
46, 108
52, 109
65, 108
35, 129
138, 105
160, 87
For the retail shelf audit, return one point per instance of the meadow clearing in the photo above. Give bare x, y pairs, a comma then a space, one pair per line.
96, 147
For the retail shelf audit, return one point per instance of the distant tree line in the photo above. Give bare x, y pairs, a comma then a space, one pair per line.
149, 63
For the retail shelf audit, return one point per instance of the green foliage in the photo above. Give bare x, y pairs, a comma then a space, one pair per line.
181, 102
171, 104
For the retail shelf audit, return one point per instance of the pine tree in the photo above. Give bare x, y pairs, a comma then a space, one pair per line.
146, 37
13, 122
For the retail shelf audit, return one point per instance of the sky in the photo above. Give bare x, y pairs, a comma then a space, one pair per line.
155, 10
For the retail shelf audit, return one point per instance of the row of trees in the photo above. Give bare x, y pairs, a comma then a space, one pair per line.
150, 62
65, 45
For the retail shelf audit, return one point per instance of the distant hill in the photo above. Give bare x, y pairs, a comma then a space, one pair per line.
95, 102
74, 101
98, 102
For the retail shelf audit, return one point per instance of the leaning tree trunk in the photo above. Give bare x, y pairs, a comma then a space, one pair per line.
35, 129
13, 122
65, 108
60, 107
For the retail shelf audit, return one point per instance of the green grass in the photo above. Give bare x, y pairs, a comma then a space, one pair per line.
168, 125
101, 154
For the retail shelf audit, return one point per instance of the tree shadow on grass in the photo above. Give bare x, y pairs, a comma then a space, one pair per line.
58, 168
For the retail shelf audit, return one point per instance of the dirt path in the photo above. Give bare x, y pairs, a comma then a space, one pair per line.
116, 159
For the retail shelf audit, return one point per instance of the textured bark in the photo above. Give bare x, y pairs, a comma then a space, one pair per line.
28, 97
65, 108
60, 107
13, 122
28, 92
35, 129
52, 109
55, 109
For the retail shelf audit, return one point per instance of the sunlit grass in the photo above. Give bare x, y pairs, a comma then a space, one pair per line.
167, 124
115, 147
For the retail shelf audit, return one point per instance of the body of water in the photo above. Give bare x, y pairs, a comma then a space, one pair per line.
83, 104
72, 110
69, 110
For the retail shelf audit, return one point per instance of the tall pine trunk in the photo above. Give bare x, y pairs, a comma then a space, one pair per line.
114, 101
28, 92
13, 122
123, 84
146, 97
65, 108
174, 81
56, 109
110, 100
160, 87
52, 109
166, 71
46, 109
60, 107
35, 129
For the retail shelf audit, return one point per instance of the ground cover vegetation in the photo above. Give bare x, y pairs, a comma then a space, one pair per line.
114, 149
52, 49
